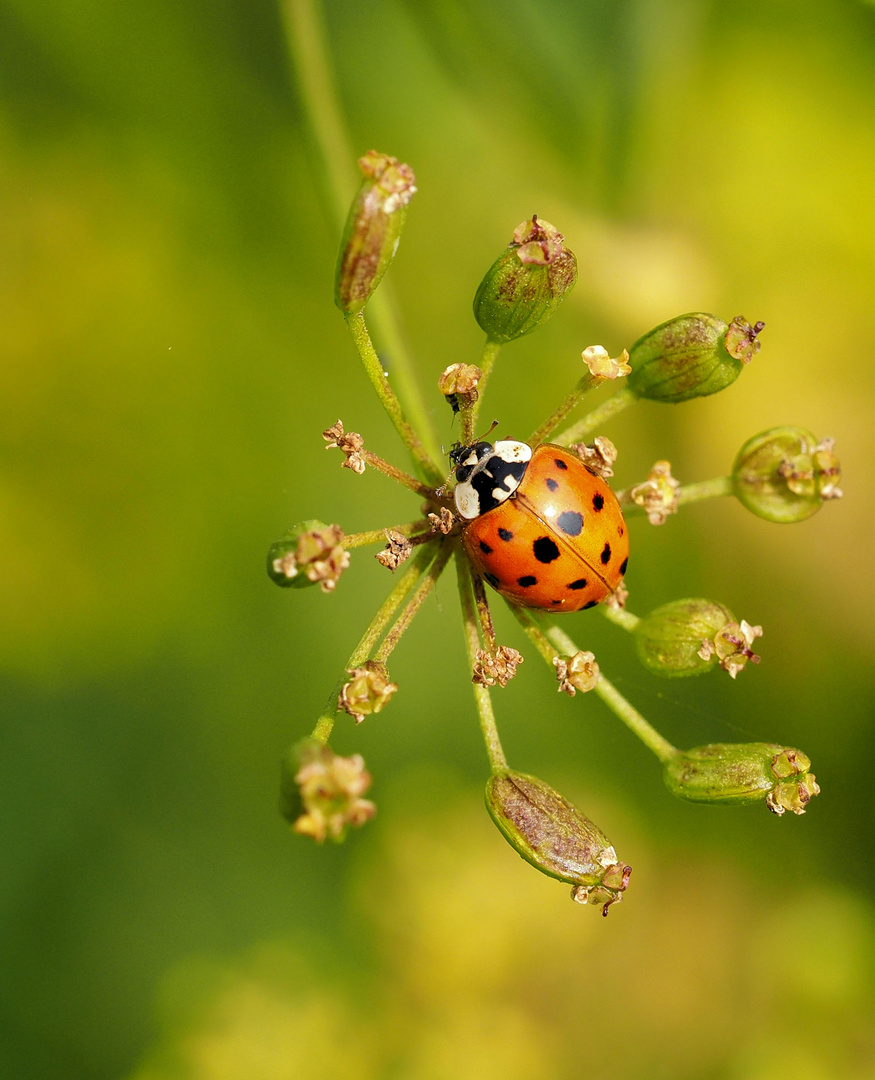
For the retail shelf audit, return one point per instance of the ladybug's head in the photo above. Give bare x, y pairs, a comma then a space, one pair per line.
465, 459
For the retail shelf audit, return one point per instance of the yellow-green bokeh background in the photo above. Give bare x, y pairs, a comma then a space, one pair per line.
171, 353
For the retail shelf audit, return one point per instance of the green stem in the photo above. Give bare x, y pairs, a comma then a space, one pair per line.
689, 493
633, 720
374, 369
497, 760
306, 39
487, 629
414, 603
615, 701
587, 383
378, 536
534, 633
377, 625
593, 421
705, 489
394, 473
620, 617
382, 312
469, 416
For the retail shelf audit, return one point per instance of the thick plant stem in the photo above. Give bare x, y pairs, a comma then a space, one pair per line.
620, 616
633, 720
593, 421
305, 35
378, 536
534, 633
371, 636
487, 629
705, 489
414, 603
689, 493
554, 642
394, 473
587, 383
497, 760
469, 416
373, 367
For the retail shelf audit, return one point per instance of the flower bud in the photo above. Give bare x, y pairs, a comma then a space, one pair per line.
691, 356
786, 475
683, 637
527, 283
373, 229
578, 672
320, 792
658, 494
310, 553
555, 837
367, 692
743, 773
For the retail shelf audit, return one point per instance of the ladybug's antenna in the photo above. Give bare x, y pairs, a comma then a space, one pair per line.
486, 434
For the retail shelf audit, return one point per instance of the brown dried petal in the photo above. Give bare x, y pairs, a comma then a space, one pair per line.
599, 456
498, 667
396, 551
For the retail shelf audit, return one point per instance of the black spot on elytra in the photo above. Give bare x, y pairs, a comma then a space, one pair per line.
598, 502
485, 548
605, 555
492, 579
623, 565
552, 484
560, 464
581, 583
545, 549
592, 603
527, 581
505, 534
621, 531
570, 522
555, 601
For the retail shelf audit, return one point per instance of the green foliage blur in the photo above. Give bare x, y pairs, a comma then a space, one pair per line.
170, 354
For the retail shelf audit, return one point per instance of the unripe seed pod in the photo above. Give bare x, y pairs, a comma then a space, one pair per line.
556, 838
373, 229
786, 475
691, 356
743, 773
669, 639
527, 283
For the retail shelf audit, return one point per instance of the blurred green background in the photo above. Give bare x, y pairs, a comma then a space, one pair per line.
171, 353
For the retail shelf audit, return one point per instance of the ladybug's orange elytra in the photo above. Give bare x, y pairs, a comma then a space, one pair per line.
544, 530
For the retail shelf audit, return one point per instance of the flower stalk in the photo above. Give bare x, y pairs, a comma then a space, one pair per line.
470, 620
595, 420
367, 642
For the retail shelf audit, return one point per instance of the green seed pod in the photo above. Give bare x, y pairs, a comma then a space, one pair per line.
311, 553
691, 356
556, 838
786, 475
685, 637
527, 283
373, 229
743, 773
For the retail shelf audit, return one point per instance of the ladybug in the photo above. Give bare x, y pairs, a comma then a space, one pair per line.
540, 526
